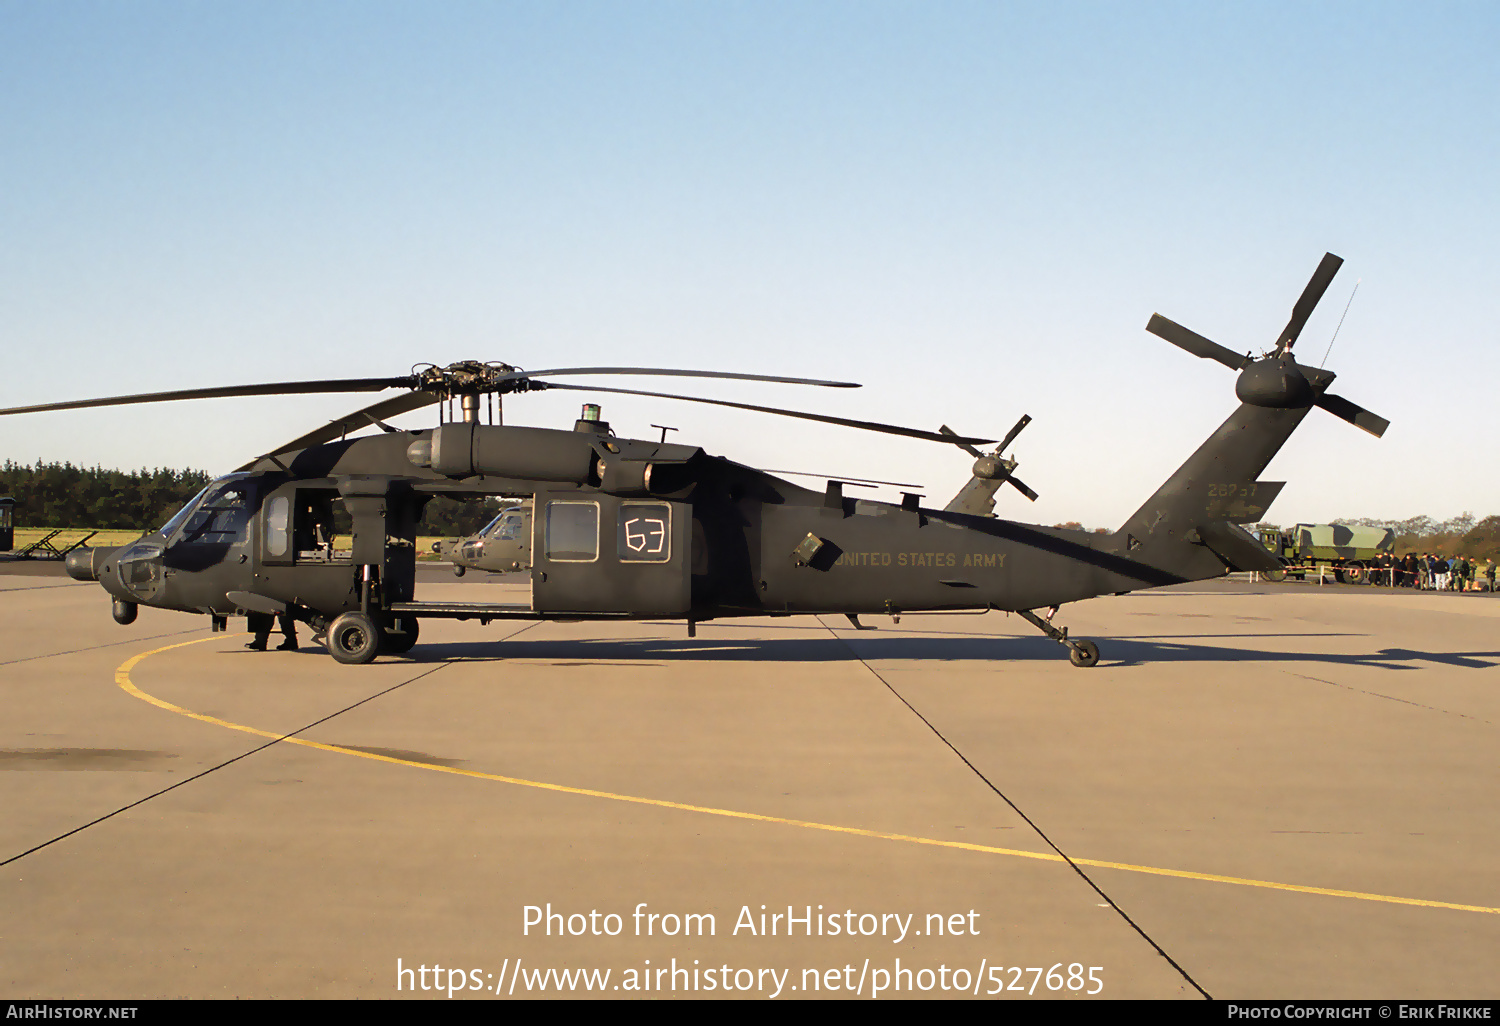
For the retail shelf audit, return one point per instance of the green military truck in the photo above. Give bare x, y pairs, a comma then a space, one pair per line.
1346, 552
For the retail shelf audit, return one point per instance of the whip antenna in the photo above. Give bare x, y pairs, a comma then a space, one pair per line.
1341, 323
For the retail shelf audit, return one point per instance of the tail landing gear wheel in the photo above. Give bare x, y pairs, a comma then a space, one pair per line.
399, 642
353, 638
1084, 653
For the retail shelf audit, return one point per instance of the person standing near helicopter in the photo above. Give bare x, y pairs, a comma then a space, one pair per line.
260, 625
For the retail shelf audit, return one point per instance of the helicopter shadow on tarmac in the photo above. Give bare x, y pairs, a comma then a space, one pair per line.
1124, 651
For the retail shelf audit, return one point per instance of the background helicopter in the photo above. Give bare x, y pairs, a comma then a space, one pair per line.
627, 528
501, 546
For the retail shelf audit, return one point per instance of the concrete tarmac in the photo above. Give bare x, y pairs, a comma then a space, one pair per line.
1278, 792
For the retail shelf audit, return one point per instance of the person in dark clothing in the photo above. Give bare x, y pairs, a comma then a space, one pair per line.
260, 625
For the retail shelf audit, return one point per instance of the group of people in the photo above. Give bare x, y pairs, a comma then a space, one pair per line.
1431, 572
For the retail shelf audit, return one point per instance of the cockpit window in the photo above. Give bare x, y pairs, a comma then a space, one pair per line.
510, 527
507, 526
491, 526
221, 516
182, 514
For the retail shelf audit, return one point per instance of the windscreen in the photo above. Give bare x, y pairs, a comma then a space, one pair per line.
182, 514
220, 515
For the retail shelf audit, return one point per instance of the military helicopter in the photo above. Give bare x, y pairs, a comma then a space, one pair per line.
635, 529
500, 546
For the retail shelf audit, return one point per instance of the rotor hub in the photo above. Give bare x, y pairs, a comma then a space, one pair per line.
471, 378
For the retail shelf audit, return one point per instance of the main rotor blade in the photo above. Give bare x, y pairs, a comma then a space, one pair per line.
670, 373
870, 481
863, 425
273, 388
1021, 487
1005, 443
392, 407
1316, 286
1353, 413
1194, 343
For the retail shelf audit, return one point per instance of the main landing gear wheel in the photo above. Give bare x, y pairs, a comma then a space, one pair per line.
1084, 653
353, 638
1274, 576
399, 642
458, 571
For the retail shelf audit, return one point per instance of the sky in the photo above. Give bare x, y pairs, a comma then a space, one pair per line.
970, 208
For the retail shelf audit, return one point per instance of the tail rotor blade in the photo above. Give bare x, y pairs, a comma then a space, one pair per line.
1318, 285
1194, 343
1353, 413
1014, 432
966, 447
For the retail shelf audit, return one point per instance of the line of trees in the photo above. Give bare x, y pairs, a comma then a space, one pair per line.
1463, 535
62, 495
451, 518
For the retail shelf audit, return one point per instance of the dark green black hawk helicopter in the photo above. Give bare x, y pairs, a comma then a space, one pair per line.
633, 529
501, 546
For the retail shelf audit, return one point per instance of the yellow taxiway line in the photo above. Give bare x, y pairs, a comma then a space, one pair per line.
122, 678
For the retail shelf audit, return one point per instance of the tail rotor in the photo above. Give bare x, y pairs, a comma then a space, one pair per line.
1277, 380
991, 470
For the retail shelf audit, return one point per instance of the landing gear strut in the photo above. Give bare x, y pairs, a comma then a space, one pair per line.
1081, 653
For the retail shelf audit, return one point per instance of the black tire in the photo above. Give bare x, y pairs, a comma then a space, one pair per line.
1356, 573
400, 642
458, 571
1083, 653
1274, 576
353, 639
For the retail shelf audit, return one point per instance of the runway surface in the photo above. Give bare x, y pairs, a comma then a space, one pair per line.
1282, 792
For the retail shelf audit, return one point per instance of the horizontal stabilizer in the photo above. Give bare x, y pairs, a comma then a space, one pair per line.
1237, 547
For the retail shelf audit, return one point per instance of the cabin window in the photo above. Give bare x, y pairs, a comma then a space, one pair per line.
644, 532
572, 531
278, 526
320, 518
